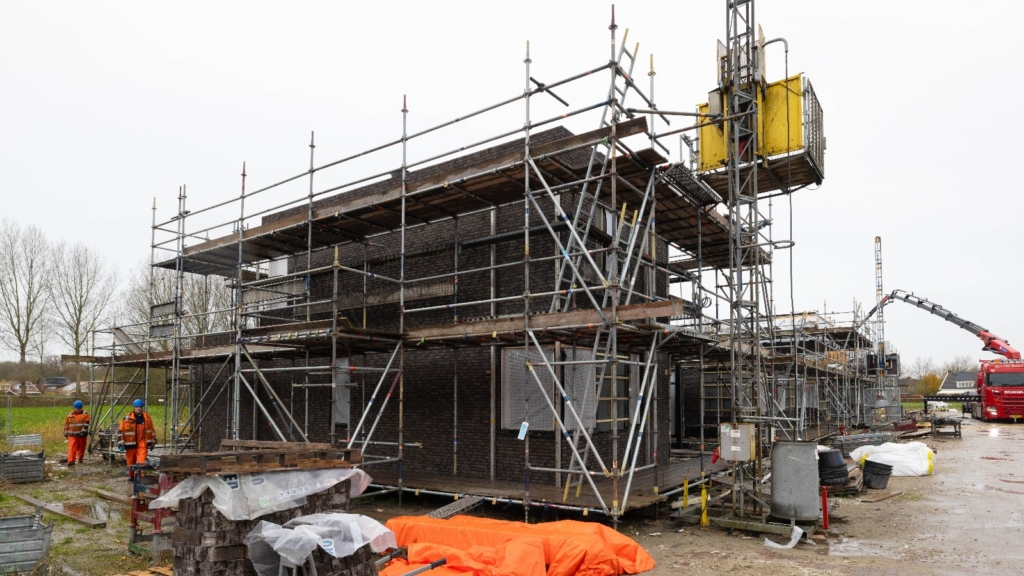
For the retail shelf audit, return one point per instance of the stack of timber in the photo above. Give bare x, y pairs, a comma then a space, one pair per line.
299, 457
22, 468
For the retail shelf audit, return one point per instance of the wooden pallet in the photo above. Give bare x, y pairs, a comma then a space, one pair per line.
229, 445
253, 461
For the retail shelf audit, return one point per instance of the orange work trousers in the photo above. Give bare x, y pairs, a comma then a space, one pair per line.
76, 448
135, 455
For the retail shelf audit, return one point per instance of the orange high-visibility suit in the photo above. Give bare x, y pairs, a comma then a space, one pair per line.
76, 430
137, 436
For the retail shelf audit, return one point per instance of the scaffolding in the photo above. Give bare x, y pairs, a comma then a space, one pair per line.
341, 288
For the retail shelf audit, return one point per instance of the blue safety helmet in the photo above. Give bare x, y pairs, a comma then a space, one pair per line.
138, 403
78, 405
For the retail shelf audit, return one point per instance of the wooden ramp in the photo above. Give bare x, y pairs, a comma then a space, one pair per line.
154, 571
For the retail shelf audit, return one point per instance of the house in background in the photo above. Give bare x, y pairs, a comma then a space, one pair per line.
958, 383
14, 388
54, 383
72, 388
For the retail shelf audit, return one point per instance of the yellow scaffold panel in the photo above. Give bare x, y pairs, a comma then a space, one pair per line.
711, 143
775, 134
778, 136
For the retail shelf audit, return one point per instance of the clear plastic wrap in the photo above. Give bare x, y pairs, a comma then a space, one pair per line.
249, 496
272, 546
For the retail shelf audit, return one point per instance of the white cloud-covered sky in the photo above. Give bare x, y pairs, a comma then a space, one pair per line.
106, 105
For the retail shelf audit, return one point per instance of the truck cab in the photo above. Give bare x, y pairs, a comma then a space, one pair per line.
1001, 387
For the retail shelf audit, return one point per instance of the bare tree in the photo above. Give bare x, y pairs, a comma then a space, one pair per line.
24, 274
201, 297
922, 367
960, 363
82, 287
40, 341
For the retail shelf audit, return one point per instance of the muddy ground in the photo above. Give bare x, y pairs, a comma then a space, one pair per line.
964, 519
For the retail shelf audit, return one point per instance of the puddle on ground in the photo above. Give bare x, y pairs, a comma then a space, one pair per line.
853, 547
100, 510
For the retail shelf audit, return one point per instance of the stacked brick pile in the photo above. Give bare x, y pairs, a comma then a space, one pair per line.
205, 543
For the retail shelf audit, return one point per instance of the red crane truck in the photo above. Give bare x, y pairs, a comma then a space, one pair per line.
1000, 386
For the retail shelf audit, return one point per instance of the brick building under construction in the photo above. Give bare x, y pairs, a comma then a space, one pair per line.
499, 319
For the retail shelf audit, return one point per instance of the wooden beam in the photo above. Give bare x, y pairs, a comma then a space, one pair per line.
113, 497
73, 358
229, 444
59, 510
672, 307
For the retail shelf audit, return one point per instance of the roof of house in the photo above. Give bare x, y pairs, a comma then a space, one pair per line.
950, 386
30, 389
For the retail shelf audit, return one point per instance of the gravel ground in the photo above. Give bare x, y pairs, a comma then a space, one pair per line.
966, 518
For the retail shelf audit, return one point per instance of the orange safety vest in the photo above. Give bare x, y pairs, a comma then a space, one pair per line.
128, 430
76, 424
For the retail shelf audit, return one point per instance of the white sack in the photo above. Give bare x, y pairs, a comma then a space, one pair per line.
910, 459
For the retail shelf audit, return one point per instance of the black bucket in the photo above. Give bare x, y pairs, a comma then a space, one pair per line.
876, 475
830, 459
833, 476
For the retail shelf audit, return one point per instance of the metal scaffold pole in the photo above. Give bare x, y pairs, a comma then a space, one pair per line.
525, 430
401, 305
238, 318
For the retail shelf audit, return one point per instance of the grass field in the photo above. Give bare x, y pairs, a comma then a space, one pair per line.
49, 421
912, 406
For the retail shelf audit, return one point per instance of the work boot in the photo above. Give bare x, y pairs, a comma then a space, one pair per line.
70, 464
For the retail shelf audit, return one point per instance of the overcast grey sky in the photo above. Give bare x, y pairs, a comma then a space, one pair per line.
106, 105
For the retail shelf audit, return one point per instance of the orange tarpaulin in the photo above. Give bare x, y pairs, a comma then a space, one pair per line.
483, 546
513, 558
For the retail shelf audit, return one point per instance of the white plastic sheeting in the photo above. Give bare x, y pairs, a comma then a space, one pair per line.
272, 546
794, 537
910, 459
249, 496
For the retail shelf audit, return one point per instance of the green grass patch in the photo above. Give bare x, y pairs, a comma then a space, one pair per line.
915, 406
49, 421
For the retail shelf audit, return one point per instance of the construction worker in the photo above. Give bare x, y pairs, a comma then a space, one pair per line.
76, 429
137, 436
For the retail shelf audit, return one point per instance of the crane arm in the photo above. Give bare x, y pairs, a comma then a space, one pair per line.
992, 343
